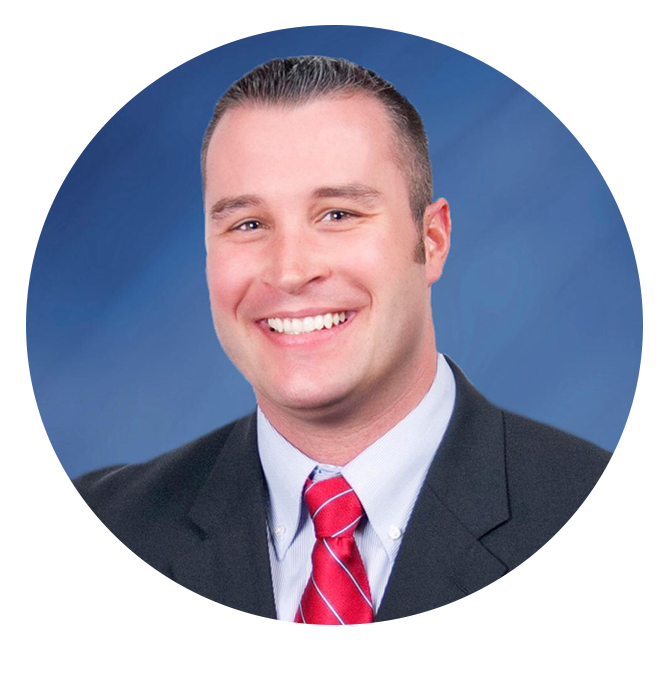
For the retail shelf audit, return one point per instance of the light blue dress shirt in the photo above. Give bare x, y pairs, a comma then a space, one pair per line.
386, 476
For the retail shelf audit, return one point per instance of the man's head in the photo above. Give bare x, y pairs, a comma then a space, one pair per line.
309, 222
297, 80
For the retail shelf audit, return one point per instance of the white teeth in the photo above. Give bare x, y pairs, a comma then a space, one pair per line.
308, 324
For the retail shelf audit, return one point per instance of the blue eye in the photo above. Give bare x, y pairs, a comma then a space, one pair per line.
247, 226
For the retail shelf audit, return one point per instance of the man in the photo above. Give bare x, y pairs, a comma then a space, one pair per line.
373, 482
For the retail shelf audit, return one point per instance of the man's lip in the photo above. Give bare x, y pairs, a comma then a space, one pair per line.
307, 313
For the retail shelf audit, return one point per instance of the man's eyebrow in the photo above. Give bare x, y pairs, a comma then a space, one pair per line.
358, 192
225, 206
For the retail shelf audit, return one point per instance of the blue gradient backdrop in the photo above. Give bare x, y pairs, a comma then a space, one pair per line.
539, 304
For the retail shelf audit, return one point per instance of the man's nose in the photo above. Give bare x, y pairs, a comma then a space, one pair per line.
295, 260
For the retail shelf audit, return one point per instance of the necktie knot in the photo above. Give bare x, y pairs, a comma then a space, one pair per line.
333, 507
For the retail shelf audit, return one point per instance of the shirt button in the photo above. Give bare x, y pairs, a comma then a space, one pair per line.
394, 532
279, 531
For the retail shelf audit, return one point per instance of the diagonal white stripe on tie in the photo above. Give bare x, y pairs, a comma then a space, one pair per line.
326, 602
354, 581
336, 496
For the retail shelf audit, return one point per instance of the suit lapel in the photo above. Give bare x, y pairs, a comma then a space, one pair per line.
464, 496
227, 558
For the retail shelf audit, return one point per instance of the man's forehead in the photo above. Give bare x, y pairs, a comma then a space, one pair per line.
334, 137
335, 110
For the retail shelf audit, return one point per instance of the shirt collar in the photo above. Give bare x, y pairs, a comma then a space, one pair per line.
386, 476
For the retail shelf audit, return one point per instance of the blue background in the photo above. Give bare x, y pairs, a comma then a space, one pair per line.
539, 303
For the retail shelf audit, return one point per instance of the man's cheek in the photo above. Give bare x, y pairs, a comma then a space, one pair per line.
227, 284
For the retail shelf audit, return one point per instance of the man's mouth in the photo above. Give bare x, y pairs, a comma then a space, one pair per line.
314, 323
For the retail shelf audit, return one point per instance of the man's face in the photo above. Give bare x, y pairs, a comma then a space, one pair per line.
308, 223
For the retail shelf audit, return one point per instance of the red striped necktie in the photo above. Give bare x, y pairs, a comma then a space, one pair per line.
338, 589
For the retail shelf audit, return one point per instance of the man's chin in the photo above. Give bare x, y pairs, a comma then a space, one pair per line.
306, 403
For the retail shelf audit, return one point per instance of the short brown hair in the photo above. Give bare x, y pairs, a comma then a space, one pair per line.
296, 80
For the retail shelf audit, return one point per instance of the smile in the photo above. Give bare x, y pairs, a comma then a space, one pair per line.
293, 326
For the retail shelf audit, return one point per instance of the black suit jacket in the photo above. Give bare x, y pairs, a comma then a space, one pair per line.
499, 487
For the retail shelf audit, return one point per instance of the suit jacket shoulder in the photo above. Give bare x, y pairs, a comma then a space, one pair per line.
553, 457
116, 536
574, 538
169, 476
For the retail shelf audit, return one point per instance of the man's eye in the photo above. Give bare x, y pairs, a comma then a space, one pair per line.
333, 215
247, 226
337, 215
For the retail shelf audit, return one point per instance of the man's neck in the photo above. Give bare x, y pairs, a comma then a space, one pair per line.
337, 437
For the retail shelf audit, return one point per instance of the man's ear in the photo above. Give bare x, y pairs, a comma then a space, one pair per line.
436, 238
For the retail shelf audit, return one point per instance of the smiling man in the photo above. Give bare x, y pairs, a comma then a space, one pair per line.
317, 294
374, 481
